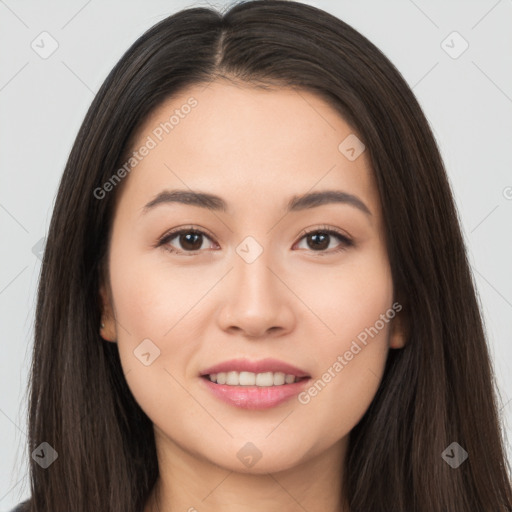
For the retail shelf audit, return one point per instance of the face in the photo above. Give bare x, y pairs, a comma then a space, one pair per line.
307, 286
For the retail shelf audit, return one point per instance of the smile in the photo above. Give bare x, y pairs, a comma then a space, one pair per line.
255, 396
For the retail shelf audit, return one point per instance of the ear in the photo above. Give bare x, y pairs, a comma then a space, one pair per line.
399, 329
108, 332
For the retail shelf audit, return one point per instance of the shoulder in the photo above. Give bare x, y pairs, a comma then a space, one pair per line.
21, 507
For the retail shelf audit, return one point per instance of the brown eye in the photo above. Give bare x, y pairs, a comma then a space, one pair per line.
191, 241
188, 240
318, 240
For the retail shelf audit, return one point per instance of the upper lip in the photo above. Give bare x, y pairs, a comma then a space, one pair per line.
261, 366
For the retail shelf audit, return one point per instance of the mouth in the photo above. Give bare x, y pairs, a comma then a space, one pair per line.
254, 384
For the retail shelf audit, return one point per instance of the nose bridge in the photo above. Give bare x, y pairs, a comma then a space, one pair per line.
252, 275
257, 300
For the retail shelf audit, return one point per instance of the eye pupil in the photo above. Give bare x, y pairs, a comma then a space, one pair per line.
321, 245
185, 241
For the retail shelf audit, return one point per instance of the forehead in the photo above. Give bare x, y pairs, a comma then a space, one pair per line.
246, 144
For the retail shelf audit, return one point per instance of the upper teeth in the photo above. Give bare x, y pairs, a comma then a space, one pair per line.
251, 379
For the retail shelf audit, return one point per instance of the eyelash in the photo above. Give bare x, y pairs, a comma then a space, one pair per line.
164, 241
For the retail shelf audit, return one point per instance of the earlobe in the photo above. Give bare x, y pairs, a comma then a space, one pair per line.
398, 331
107, 333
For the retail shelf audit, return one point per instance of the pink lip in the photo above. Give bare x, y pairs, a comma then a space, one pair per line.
254, 397
245, 365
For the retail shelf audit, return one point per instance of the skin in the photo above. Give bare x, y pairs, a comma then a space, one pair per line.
254, 148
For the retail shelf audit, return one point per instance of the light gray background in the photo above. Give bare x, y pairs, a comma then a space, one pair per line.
468, 101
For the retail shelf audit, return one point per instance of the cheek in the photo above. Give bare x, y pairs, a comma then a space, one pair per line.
150, 298
157, 316
338, 397
352, 358
348, 300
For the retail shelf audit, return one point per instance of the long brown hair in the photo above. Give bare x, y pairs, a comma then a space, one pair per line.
437, 390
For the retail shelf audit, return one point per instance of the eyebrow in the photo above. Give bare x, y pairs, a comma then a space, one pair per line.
295, 204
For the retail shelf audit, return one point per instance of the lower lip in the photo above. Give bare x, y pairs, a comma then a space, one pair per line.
255, 397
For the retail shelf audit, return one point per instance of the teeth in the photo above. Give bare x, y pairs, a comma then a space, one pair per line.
279, 378
232, 379
265, 379
244, 379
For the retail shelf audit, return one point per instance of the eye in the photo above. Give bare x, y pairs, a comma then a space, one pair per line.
191, 240
318, 239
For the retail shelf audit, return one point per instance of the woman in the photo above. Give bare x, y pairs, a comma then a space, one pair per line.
200, 342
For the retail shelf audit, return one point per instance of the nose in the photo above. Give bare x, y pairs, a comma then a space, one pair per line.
257, 303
